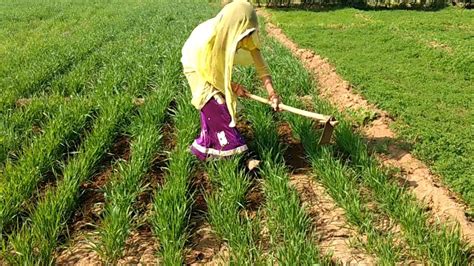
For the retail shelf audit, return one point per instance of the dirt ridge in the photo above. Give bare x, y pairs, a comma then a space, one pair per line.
335, 235
140, 247
444, 204
333, 232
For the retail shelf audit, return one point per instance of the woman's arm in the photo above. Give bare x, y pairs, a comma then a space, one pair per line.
263, 73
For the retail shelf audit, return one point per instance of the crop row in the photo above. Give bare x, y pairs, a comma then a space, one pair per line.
32, 68
345, 176
127, 182
145, 62
171, 205
37, 239
127, 61
22, 176
231, 184
18, 128
289, 226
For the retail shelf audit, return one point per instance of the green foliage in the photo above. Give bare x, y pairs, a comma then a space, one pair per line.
343, 180
288, 224
368, 4
37, 239
126, 184
224, 205
331, 171
20, 180
172, 202
68, 64
80, 64
418, 66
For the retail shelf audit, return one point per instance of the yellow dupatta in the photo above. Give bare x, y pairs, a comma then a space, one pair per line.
236, 20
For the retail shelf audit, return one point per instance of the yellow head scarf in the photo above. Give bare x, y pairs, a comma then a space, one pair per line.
235, 21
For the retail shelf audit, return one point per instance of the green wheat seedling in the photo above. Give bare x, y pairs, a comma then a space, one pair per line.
20, 180
335, 177
17, 128
171, 204
71, 85
438, 243
343, 188
224, 210
288, 224
36, 241
59, 55
42, 155
110, 52
79, 82
126, 184
412, 65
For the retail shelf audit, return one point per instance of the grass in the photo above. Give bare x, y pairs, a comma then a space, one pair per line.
19, 128
171, 206
61, 43
36, 241
427, 241
441, 245
127, 183
230, 185
126, 61
105, 53
288, 224
342, 185
172, 203
113, 63
101, 56
20, 180
416, 65
332, 172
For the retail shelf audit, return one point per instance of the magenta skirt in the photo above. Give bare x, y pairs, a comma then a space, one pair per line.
217, 139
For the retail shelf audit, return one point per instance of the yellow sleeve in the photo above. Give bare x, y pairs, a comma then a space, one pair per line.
252, 43
260, 64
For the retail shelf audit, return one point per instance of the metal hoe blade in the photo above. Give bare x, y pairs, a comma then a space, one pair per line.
327, 132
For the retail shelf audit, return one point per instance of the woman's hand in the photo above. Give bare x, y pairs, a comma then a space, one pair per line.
240, 90
272, 95
275, 101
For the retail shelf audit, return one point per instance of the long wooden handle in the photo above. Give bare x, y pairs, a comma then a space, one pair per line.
321, 118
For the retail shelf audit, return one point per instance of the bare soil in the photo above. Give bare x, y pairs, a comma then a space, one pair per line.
204, 246
426, 186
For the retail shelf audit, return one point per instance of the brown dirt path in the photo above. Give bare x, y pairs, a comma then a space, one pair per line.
426, 186
204, 247
140, 249
334, 233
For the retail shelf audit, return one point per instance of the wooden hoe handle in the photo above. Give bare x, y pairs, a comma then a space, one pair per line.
319, 117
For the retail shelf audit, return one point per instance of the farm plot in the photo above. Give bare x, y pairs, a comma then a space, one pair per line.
80, 111
108, 170
368, 193
418, 66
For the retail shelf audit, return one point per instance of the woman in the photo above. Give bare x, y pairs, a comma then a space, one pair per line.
208, 57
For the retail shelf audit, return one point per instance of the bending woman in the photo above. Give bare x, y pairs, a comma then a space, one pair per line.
208, 57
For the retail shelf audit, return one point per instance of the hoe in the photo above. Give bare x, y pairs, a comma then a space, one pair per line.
329, 122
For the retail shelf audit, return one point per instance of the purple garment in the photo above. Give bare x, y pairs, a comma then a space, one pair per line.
217, 139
